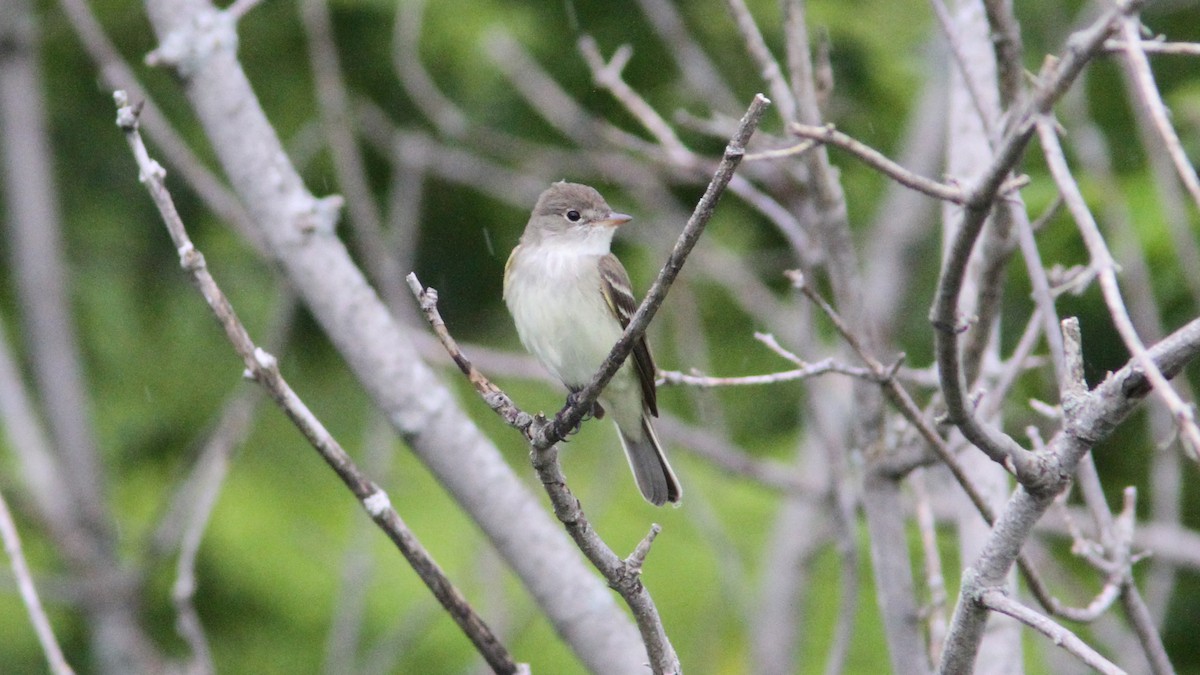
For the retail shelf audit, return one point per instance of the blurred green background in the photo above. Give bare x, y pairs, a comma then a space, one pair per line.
273, 559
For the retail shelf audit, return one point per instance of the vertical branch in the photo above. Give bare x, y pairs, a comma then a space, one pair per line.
777, 632
336, 120
38, 261
1006, 40
934, 580
973, 110
358, 564
881, 495
416, 80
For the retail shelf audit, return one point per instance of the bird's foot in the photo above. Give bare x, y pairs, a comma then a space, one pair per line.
596, 411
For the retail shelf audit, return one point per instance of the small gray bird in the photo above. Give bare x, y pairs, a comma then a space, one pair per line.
571, 299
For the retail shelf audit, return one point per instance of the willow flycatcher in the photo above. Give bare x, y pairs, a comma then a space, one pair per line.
571, 299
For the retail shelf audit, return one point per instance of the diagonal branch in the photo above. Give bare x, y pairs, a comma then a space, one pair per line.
264, 369
1105, 268
571, 415
999, 601
29, 595
624, 576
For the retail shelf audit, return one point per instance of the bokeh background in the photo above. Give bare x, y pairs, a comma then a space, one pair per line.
288, 551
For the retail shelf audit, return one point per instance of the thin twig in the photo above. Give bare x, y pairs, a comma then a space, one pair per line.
1147, 89
899, 397
780, 153
768, 67
935, 582
807, 371
240, 8
698, 70
1145, 629
571, 415
201, 493
567, 508
29, 595
703, 443
264, 369
1057, 76
1105, 268
1120, 46
607, 74
878, 161
999, 601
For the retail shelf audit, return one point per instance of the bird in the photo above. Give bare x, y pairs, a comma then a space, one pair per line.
571, 299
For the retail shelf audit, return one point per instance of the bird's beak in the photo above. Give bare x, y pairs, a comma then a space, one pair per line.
615, 220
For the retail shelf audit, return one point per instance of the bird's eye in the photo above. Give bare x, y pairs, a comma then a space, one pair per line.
573, 216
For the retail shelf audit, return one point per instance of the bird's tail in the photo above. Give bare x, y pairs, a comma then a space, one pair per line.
653, 474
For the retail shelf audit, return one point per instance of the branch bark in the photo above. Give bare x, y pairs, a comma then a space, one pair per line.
197, 41
263, 368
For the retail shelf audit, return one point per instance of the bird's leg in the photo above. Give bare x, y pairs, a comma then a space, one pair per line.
597, 410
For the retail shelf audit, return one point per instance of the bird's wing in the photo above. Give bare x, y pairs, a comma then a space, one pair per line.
618, 293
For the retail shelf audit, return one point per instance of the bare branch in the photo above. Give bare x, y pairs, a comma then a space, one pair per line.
571, 415
1105, 268
336, 123
1006, 40
1147, 88
608, 76
1089, 418
999, 601
416, 80
768, 67
878, 161
299, 230
118, 74
622, 576
201, 493
710, 447
935, 582
40, 275
698, 70
240, 8
1056, 77
970, 76
29, 595
264, 369
1156, 46
807, 371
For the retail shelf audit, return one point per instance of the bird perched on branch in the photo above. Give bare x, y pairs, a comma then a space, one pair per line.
571, 300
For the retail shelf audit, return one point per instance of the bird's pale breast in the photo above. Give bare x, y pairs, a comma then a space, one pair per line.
565, 300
